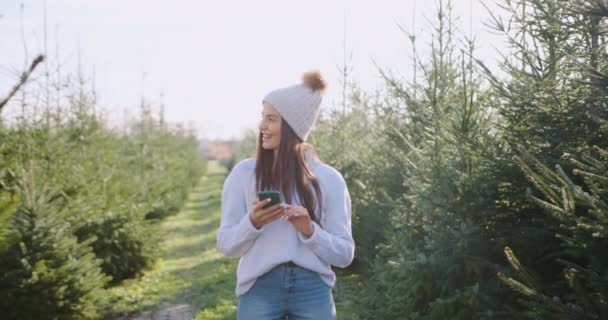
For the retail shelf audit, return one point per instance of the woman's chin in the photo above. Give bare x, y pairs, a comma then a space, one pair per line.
267, 147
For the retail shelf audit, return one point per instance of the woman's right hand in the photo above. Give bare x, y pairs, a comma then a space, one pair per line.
260, 216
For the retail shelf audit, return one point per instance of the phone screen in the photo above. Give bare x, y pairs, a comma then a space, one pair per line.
275, 197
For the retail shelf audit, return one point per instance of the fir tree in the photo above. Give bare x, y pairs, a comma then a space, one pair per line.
47, 273
582, 212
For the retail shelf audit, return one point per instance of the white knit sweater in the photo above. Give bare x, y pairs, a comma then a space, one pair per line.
277, 242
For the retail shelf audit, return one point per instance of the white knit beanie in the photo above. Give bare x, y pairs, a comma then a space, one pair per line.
299, 104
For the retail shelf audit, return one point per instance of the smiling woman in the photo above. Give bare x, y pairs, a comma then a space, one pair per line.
285, 264
270, 127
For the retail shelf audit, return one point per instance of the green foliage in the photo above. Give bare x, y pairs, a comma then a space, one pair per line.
48, 273
244, 149
109, 189
167, 162
438, 261
433, 160
582, 213
125, 244
552, 106
8, 205
554, 77
361, 158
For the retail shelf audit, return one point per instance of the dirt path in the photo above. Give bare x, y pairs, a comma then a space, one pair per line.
195, 281
168, 311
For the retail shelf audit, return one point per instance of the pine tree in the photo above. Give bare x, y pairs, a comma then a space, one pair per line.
582, 212
47, 273
552, 107
439, 260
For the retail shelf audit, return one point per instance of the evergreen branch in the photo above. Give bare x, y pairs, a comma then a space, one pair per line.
596, 8
593, 275
564, 177
527, 278
519, 287
537, 181
596, 165
581, 294
416, 151
544, 170
555, 210
592, 176
603, 153
568, 198
580, 165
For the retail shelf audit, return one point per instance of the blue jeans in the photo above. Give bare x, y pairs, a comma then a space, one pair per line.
287, 290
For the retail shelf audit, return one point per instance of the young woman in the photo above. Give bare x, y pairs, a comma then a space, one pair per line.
286, 250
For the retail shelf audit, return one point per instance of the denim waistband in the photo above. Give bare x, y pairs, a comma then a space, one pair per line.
289, 264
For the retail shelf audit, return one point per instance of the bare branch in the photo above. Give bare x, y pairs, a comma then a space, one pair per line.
23, 80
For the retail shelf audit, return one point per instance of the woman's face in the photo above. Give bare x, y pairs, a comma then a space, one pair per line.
270, 127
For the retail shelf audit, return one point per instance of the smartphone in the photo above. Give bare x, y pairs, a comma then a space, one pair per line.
275, 197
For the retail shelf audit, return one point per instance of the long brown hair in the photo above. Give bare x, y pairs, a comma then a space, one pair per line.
290, 169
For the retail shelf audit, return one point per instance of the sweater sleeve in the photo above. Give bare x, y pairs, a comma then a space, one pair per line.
236, 233
334, 244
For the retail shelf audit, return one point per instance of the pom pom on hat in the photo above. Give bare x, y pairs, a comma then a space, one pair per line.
314, 80
299, 104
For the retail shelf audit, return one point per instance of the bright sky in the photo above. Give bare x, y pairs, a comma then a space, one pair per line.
215, 60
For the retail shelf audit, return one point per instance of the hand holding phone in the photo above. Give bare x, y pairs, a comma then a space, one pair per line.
267, 209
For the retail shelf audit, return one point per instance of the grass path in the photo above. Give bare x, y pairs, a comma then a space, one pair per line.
193, 280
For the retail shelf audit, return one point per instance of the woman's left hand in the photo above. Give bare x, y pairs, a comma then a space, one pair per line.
300, 219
